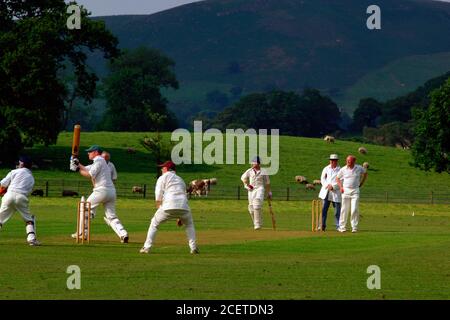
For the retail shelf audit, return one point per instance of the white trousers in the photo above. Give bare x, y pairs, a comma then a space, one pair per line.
163, 215
107, 197
255, 203
350, 203
13, 201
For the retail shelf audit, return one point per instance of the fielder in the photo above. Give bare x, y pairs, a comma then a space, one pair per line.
353, 176
256, 181
172, 203
104, 191
330, 192
20, 183
111, 165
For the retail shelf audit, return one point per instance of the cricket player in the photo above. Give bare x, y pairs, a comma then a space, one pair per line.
20, 183
256, 181
104, 191
350, 179
172, 203
112, 167
330, 192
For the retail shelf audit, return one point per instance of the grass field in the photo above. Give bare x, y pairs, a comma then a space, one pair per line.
235, 261
389, 170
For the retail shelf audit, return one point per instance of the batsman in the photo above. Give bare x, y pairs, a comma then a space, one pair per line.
257, 182
104, 191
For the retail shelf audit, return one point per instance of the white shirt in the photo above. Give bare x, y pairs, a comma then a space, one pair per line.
329, 177
113, 170
351, 177
171, 190
19, 180
101, 173
256, 178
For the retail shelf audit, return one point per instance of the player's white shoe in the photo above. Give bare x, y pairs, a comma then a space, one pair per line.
144, 250
195, 251
34, 243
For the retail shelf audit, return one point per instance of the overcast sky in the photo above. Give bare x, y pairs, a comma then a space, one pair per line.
115, 7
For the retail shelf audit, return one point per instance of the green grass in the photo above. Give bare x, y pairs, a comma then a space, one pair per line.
389, 170
235, 261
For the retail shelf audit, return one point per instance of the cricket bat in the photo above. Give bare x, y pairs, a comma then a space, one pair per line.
76, 141
272, 215
75, 147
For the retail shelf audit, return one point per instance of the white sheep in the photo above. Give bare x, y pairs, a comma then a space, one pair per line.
329, 139
362, 150
301, 179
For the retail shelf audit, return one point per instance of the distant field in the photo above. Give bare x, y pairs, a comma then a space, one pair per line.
235, 262
389, 167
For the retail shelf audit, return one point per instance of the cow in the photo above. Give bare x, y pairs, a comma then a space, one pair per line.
38, 192
137, 189
69, 193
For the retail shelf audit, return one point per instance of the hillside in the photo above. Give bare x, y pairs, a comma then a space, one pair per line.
289, 44
389, 169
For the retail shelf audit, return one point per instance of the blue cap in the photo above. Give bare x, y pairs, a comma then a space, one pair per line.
26, 161
94, 148
257, 160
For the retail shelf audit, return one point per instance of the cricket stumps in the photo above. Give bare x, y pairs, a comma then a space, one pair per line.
316, 215
83, 221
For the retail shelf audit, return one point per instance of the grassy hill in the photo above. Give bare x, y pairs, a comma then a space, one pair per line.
289, 44
397, 78
389, 167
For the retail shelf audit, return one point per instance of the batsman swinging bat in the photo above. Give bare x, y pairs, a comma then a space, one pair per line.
272, 215
76, 141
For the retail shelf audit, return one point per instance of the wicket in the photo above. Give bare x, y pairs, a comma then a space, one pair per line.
316, 215
84, 221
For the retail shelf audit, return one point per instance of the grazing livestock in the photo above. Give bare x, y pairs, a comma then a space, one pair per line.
317, 182
362, 150
69, 193
137, 189
329, 139
200, 187
310, 186
38, 192
301, 179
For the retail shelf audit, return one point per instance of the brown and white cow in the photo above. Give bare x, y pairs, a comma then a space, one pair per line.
200, 187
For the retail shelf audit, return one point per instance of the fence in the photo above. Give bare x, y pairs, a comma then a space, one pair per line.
55, 188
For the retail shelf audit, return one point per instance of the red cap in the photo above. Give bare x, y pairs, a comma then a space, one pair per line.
168, 164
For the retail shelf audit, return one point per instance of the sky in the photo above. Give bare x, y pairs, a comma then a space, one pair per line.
115, 7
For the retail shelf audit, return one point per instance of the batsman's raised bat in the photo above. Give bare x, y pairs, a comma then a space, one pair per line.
76, 141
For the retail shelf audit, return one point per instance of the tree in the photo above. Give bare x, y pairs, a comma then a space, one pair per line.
431, 148
35, 46
309, 114
366, 114
132, 91
396, 133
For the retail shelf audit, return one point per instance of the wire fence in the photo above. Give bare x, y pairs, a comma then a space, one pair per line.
78, 188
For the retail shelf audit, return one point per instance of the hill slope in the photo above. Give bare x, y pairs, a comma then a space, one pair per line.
288, 44
389, 169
